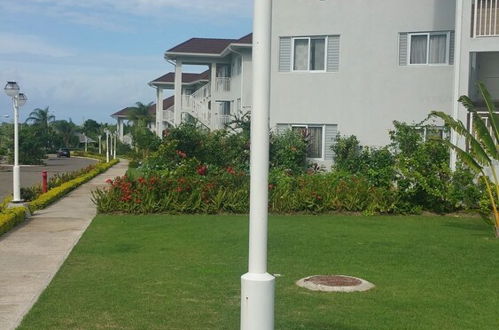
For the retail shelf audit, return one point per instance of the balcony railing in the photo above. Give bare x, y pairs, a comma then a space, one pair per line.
168, 115
485, 18
222, 84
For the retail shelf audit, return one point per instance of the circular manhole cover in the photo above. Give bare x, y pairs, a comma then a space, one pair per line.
335, 283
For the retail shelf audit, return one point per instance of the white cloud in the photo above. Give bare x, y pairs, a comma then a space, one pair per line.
29, 44
110, 14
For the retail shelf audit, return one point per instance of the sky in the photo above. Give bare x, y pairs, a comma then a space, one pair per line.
86, 59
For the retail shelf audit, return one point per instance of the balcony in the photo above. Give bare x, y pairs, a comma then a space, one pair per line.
485, 19
222, 84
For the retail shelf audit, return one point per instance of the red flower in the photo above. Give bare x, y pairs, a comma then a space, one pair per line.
230, 170
141, 180
109, 181
202, 169
181, 154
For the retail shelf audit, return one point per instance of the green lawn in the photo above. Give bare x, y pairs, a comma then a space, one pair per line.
183, 272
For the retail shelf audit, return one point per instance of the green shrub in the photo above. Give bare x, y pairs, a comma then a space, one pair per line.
288, 151
10, 218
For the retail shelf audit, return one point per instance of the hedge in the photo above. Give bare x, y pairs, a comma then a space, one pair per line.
11, 217
99, 157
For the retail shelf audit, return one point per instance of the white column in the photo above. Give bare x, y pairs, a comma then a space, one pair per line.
121, 132
257, 286
213, 90
457, 77
100, 145
16, 173
86, 143
178, 93
159, 111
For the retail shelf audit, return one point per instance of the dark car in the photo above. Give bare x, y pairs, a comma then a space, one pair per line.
63, 152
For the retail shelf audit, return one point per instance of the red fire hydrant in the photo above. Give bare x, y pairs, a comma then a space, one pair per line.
44, 181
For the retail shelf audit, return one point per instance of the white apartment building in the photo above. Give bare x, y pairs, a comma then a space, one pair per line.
347, 66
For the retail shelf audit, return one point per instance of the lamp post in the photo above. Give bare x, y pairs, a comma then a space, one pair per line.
107, 146
100, 144
18, 100
257, 286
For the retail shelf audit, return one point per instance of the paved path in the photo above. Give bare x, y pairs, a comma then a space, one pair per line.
31, 175
33, 252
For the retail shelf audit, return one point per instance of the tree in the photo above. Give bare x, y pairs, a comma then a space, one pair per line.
66, 130
42, 119
91, 128
483, 150
140, 115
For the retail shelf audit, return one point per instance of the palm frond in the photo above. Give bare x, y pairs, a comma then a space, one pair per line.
490, 108
475, 146
483, 135
465, 157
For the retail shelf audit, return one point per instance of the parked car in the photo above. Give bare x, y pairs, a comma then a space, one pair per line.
63, 152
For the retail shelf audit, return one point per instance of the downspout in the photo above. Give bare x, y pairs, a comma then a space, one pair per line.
457, 77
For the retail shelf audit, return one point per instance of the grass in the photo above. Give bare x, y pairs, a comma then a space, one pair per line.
183, 272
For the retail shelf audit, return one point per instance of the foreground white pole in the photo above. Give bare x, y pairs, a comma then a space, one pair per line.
16, 178
257, 286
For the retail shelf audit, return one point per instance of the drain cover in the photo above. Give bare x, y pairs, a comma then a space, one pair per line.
334, 283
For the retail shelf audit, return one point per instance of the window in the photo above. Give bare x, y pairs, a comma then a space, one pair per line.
309, 54
429, 48
314, 137
431, 132
224, 108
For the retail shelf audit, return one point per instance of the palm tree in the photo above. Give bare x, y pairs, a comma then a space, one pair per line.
43, 119
483, 149
140, 114
66, 130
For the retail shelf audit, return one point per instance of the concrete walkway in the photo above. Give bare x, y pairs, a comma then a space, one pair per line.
32, 253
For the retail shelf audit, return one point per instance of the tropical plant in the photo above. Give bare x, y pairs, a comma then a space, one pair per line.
66, 130
482, 145
140, 114
43, 119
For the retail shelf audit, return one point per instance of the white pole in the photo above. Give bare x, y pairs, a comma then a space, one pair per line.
114, 148
16, 170
86, 144
107, 146
100, 148
257, 286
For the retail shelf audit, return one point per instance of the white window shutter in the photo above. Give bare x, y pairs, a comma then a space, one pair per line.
330, 138
333, 54
452, 47
403, 47
284, 54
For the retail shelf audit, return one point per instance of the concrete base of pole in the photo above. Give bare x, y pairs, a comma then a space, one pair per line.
16, 178
20, 204
257, 301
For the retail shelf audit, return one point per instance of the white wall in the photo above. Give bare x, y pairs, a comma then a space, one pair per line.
371, 89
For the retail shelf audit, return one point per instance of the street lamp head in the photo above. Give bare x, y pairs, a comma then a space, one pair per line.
11, 89
21, 99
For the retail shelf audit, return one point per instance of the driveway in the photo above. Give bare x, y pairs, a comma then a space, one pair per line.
31, 175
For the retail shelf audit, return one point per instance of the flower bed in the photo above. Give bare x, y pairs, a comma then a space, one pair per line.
228, 192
